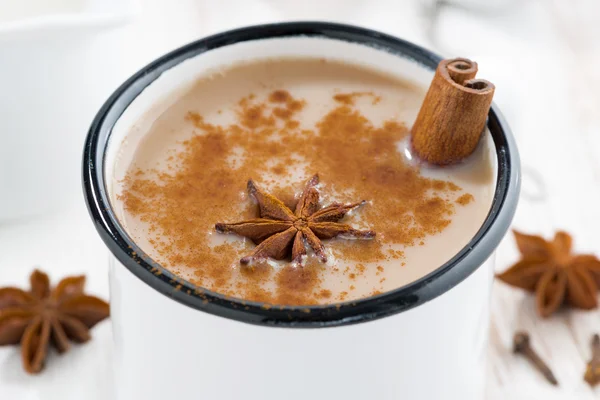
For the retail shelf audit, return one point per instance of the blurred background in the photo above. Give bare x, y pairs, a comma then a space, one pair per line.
61, 59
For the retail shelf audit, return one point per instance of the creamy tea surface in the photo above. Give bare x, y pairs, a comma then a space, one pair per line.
279, 122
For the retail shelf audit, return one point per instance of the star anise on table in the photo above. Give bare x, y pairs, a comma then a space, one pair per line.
554, 273
280, 231
41, 316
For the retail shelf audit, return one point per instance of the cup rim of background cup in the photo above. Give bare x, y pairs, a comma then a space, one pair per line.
444, 278
92, 18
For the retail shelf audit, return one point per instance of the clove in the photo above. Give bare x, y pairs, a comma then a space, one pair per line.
522, 345
592, 372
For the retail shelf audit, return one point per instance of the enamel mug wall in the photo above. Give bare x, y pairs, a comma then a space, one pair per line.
54, 74
423, 341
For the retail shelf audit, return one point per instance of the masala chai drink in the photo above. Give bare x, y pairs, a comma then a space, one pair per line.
264, 181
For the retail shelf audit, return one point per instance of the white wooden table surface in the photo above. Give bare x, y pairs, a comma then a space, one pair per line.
543, 56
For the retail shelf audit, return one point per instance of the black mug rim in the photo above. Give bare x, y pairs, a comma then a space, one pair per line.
416, 293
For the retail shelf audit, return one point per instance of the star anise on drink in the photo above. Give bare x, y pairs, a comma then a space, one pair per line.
41, 316
279, 231
554, 273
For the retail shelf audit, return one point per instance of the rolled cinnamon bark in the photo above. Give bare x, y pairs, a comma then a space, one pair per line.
453, 115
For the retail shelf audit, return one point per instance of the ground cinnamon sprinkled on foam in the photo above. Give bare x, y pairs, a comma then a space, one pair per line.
296, 285
349, 152
465, 199
453, 186
350, 98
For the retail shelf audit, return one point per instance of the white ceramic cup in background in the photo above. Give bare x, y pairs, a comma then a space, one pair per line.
54, 74
423, 341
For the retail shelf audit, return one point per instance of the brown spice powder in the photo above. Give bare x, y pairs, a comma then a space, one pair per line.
465, 199
346, 149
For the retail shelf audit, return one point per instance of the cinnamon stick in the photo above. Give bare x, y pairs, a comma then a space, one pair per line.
453, 115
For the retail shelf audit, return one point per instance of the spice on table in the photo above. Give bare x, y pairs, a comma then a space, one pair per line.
522, 345
41, 316
557, 276
278, 228
592, 372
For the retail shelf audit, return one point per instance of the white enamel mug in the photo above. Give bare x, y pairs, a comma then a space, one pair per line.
54, 74
424, 341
